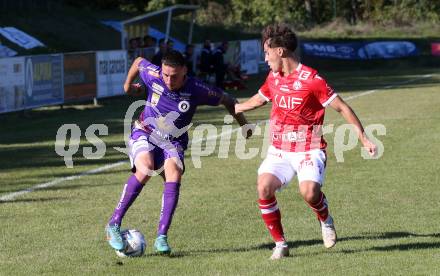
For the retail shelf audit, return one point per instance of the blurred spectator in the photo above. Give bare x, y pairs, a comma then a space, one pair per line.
139, 42
149, 41
220, 67
157, 59
133, 48
170, 45
149, 47
206, 67
189, 57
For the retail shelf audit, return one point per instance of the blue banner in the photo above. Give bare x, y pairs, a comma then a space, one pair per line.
44, 80
360, 50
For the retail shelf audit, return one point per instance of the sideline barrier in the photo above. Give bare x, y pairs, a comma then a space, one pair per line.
12, 84
79, 76
111, 71
41, 80
360, 50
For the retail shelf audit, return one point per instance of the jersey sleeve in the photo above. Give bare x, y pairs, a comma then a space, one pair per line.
207, 95
323, 91
264, 91
148, 71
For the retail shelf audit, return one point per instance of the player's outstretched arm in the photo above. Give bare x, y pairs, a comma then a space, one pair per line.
129, 86
229, 102
252, 103
345, 110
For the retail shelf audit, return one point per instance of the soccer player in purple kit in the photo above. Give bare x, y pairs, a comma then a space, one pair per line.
159, 137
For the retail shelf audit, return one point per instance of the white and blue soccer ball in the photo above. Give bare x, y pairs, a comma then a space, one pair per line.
134, 244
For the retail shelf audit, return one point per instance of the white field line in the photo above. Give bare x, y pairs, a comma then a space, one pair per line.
387, 87
13, 195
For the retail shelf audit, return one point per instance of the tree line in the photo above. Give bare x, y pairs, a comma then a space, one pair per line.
256, 13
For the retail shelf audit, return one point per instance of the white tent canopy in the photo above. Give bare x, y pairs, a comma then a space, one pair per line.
175, 10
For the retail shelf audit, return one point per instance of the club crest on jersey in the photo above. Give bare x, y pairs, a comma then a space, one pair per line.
155, 99
183, 106
297, 85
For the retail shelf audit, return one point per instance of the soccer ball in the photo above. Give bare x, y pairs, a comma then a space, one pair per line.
134, 244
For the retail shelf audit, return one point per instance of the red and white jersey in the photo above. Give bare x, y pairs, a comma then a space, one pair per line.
298, 107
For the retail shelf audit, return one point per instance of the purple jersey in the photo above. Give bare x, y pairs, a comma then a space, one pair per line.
167, 111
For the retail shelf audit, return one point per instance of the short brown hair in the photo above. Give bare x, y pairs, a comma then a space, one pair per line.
279, 35
173, 58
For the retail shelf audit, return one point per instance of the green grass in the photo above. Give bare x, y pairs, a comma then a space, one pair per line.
386, 210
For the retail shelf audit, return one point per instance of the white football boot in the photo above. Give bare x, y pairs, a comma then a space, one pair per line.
280, 251
328, 232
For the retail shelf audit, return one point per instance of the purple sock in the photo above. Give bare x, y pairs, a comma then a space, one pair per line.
131, 190
170, 198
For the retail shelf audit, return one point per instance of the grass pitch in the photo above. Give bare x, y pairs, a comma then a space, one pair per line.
386, 211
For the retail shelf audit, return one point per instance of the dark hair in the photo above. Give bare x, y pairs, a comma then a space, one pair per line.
173, 58
279, 35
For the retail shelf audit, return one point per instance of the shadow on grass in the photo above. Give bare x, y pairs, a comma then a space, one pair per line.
302, 243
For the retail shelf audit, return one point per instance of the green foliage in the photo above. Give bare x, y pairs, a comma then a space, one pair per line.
262, 12
257, 13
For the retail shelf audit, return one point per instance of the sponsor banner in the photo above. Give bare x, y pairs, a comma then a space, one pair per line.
43, 80
232, 55
6, 52
20, 38
435, 49
387, 49
12, 83
361, 50
250, 55
331, 50
111, 71
79, 76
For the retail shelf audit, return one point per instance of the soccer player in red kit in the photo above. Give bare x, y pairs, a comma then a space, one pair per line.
299, 97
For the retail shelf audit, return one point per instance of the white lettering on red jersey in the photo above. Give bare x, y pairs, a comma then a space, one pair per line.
298, 108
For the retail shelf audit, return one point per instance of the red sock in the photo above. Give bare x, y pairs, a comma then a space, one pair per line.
272, 218
320, 207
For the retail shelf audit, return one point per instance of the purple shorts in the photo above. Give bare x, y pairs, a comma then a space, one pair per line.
141, 141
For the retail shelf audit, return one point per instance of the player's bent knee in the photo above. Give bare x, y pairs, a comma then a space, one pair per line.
310, 191
173, 170
264, 191
144, 171
267, 184
142, 176
173, 176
